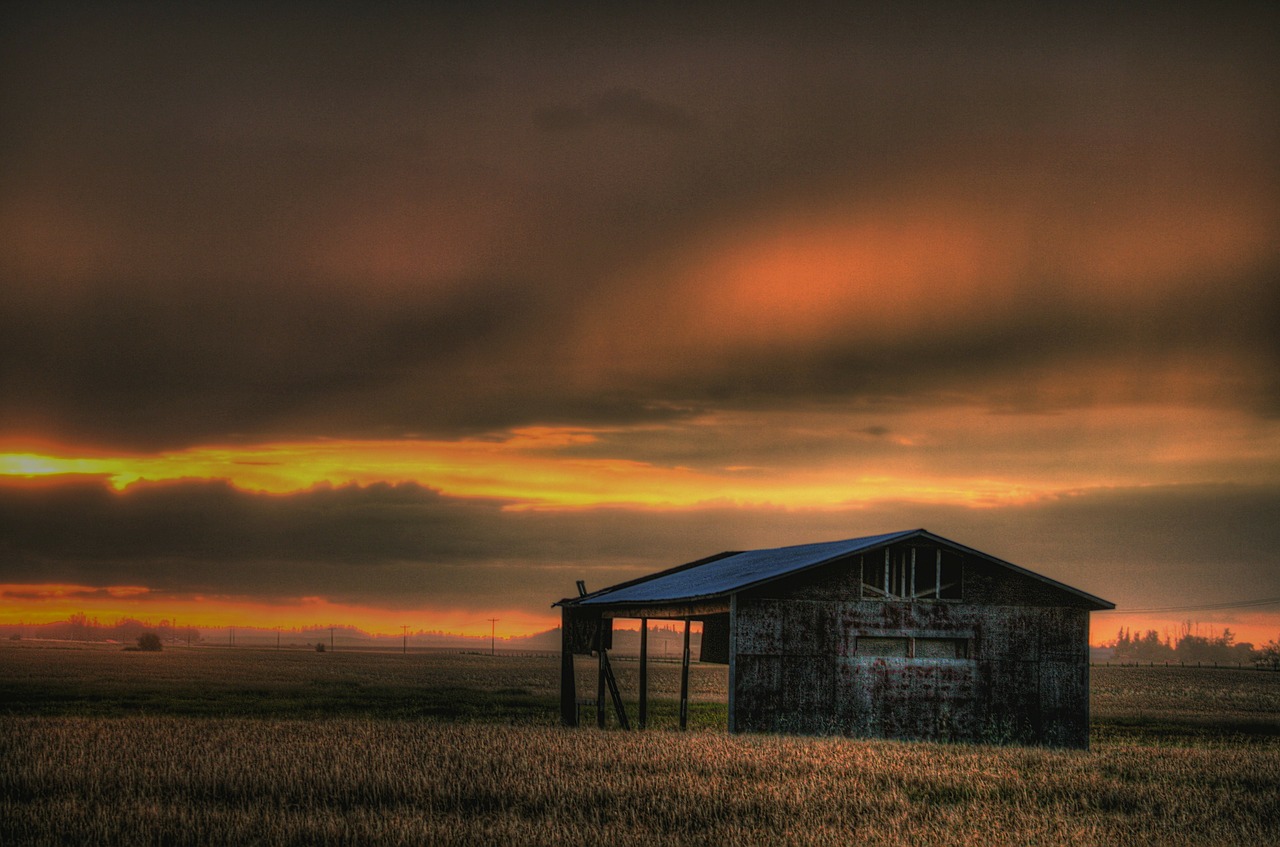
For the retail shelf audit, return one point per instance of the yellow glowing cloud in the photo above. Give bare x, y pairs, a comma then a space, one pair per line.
960, 455
523, 469
33, 464
963, 455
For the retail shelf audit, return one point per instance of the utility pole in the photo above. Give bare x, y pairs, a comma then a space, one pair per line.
277, 638
231, 636
330, 639
492, 639
404, 634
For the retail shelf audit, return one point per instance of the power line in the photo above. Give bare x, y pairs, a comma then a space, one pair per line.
1208, 607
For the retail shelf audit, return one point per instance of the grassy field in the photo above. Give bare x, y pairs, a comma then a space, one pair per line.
51, 678
244, 746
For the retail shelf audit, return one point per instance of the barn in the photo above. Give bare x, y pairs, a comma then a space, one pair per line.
903, 635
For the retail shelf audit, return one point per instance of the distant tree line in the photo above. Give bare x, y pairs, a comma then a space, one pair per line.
81, 627
1189, 646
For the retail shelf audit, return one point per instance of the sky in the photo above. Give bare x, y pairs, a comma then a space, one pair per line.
314, 314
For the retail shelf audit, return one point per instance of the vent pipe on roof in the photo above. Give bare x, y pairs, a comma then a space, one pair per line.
582, 588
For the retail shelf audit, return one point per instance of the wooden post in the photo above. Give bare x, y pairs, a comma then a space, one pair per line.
937, 576
600, 678
644, 673
568, 685
733, 661
912, 595
684, 679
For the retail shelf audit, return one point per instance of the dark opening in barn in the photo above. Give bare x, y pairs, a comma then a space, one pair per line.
901, 635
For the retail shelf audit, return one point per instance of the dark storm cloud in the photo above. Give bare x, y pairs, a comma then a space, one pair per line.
1014, 362
147, 369
624, 106
142, 366
1163, 546
388, 544
405, 546
318, 222
207, 537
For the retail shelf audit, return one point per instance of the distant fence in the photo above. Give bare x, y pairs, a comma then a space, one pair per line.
1133, 663
522, 654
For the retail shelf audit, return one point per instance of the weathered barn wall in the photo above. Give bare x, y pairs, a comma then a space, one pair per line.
1007, 662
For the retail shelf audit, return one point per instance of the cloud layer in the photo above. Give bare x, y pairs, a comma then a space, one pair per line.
404, 546
880, 264
444, 223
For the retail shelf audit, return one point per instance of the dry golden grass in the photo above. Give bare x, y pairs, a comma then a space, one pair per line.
202, 781
99, 746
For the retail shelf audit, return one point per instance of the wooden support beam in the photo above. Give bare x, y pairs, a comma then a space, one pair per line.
643, 720
887, 593
600, 686
684, 679
568, 684
913, 573
733, 662
614, 693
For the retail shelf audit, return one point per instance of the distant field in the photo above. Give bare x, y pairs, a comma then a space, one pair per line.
258, 746
52, 678
1185, 705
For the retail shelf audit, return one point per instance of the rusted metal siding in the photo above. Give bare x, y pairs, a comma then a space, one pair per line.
1022, 672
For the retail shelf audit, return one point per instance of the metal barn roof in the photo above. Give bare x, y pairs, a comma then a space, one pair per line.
729, 572
733, 571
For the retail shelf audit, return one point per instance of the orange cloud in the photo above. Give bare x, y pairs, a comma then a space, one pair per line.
887, 268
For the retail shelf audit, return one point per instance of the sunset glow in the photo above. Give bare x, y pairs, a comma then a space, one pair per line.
39, 604
916, 458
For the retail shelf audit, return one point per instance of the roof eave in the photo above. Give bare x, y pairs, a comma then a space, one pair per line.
575, 601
